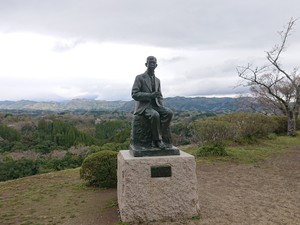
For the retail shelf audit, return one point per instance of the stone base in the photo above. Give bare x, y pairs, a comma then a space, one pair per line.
157, 188
138, 151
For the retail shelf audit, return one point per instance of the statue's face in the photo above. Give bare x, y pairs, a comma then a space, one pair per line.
151, 64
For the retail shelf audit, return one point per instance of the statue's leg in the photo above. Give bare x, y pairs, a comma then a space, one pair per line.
154, 118
166, 116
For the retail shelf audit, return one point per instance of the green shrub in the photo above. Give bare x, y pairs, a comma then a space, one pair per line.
13, 169
282, 124
110, 146
56, 164
181, 134
272, 136
237, 127
100, 169
211, 131
249, 126
210, 150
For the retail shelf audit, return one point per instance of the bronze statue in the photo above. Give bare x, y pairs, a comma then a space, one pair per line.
151, 122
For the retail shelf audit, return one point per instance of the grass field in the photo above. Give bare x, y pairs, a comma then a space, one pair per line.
53, 198
62, 198
251, 153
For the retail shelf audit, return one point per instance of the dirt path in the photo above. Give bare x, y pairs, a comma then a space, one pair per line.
263, 193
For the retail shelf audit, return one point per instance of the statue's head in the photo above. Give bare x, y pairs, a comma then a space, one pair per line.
151, 63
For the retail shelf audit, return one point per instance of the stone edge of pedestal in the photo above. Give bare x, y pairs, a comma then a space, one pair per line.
127, 156
138, 151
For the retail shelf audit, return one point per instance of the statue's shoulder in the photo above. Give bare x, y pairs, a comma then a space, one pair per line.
141, 76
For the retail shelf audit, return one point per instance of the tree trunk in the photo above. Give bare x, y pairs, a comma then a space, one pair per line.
291, 128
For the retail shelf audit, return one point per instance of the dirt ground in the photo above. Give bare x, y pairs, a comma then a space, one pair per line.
260, 194
263, 193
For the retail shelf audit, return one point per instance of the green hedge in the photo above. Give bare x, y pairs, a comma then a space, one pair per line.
11, 169
212, 131
100, 169
238, 127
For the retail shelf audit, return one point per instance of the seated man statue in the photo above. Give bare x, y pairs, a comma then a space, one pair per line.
146, 91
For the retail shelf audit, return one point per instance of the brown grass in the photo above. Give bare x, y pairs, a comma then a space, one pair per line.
55, 198
266, 191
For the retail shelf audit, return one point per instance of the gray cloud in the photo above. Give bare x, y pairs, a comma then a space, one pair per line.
176, 23
66, 46
214, 38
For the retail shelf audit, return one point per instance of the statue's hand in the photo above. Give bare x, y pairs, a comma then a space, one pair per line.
155, 94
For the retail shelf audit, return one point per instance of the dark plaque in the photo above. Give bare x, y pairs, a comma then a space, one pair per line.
161, 171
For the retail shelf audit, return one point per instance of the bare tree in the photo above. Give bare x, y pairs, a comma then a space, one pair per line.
273, 86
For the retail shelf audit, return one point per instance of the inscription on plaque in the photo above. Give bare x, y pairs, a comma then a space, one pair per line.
161, 171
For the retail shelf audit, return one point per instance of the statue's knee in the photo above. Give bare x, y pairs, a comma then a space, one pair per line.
170, 114
155, 116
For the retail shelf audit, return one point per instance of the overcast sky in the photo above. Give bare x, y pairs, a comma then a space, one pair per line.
65, 49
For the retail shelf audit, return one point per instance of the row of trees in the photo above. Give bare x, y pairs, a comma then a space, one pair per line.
62, 133
47, 137
188, 127
56, 134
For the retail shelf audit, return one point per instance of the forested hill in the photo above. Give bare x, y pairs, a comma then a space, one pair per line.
175, 103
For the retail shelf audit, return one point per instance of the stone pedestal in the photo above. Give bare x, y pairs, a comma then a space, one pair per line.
157, 188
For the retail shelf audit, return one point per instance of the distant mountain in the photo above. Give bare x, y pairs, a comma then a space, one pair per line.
203, 104
75, 104
175, 103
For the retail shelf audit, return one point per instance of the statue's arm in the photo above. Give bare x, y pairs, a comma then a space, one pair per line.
136, 92
160, 98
